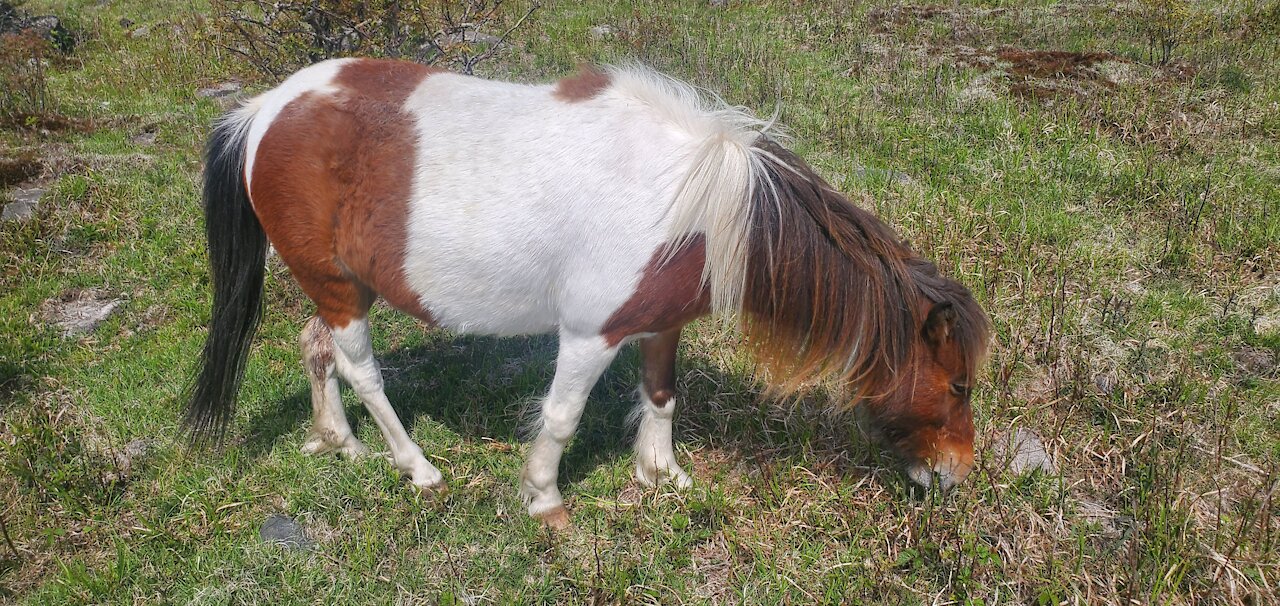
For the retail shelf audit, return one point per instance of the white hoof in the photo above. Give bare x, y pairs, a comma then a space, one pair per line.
671, 474
348, 447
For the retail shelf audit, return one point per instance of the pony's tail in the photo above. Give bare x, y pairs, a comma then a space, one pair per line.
237, 261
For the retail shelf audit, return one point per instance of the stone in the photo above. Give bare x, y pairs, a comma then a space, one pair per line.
146, 137
79, 312
1023, 452
131, 453
25, 203
221, 90
601, 32
140, 32
472, 36
284, 531
1255, 360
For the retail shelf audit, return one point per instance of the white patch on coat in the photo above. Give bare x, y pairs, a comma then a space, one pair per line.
529, 213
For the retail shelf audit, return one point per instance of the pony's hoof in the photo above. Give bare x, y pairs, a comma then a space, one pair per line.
675, 476
434, 492
556, 519
350, 448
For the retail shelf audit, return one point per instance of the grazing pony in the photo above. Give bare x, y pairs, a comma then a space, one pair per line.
616, 205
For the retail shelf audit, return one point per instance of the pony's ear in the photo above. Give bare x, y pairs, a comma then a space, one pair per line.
938, 324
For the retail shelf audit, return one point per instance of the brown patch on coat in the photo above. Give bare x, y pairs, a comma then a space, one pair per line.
584, 85
668, 296
331, 186
658, 355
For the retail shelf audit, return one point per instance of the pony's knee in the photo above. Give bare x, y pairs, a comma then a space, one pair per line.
316, 343
365, 377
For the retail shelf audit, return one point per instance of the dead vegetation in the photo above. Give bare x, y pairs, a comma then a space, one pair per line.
278, 38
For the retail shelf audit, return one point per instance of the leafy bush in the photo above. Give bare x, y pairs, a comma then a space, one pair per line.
278, 38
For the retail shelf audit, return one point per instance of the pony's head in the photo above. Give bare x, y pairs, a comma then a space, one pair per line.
925, 417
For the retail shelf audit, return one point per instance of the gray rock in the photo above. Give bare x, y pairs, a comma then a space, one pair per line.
131, 453
141, 32
719, 3
231, 101
601, 32
283, 530
1255, 360
25, 202
1023, 452
146, 137
221, 90
472, 36
78, 313
1105, 384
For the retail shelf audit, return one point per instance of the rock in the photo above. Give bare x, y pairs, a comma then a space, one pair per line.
221, 90
79, 312
131, 453
283, 530
600, 32
472, 36
146, 137
231, 101
25, 202
1255, 360
141, 32
1105, 384
126, 22
719, 3
1023, 452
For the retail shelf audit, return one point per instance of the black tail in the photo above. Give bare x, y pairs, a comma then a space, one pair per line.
237, 260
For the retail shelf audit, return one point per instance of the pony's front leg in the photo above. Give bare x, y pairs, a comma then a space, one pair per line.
330, 431
355, 363
579, 363
655, 458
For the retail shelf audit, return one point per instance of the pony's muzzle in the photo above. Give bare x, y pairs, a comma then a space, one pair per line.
950, 470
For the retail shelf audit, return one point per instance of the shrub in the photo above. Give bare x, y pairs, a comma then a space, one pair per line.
24, 91
1166, 24
278, 38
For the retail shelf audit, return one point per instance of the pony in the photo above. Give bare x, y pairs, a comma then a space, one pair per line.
611, 206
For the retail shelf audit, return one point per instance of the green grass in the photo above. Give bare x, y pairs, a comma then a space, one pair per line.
1124, 236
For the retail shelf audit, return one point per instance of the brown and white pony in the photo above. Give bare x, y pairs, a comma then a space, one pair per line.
616, 205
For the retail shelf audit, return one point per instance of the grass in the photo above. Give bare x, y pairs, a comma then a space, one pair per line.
1121, 225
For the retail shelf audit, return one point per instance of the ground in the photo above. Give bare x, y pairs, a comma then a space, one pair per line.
1115, 209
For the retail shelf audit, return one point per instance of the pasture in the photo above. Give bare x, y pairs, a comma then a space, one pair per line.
1104, 177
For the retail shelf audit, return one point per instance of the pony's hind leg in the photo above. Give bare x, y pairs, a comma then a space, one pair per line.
579, 364
330, 431
655, 458
353, 356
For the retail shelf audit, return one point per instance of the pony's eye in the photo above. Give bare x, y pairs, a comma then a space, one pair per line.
959, 389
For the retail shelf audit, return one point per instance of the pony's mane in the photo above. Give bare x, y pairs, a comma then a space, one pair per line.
825, 289
832, 292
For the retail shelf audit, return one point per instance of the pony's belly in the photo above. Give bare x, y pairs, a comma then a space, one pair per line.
468, 293
482, 315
